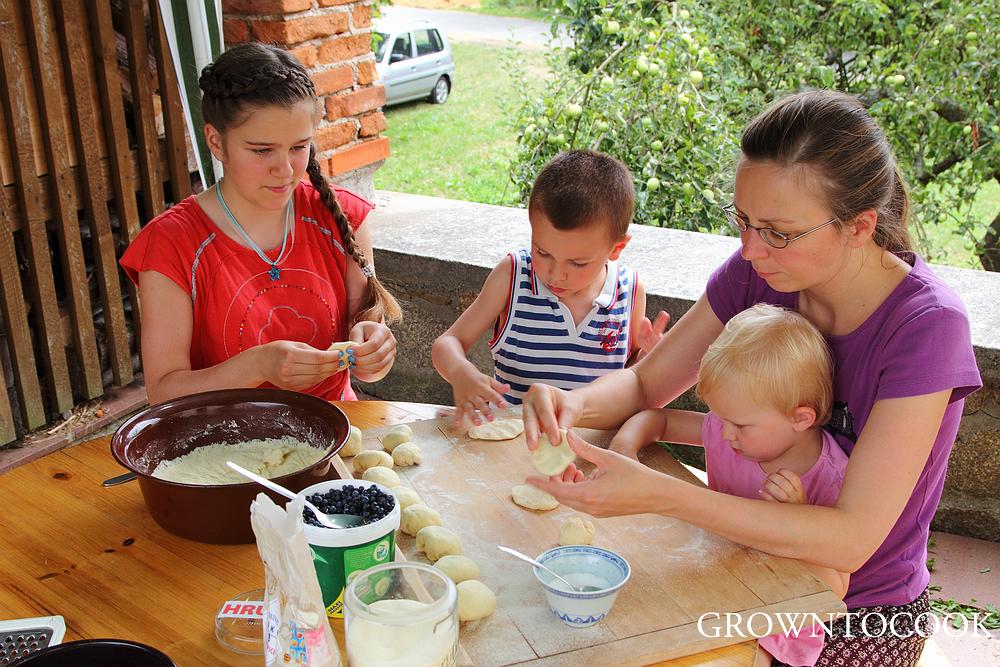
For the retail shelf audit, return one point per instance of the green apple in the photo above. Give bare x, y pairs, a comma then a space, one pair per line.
654, 68
684, 14
696, 77
971, 36
607, 82
657, 145
574, 110
530, 129
688, 189
602, 125
949, 28
642, 65
966, 129
647, 122
612, 28
653, 184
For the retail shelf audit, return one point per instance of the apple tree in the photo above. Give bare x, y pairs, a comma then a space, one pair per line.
667, 87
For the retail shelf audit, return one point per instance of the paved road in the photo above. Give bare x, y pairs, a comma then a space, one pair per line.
477, 28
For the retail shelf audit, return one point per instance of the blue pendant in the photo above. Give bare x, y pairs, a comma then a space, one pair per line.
275, 272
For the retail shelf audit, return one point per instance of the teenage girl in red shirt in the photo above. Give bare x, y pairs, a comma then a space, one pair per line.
249, 283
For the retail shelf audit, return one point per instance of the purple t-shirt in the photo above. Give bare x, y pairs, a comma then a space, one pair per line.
917, 342
737, 475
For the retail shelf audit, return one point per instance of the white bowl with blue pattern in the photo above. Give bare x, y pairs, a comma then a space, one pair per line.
582, 566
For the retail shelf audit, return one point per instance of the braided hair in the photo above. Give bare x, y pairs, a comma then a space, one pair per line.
254, 75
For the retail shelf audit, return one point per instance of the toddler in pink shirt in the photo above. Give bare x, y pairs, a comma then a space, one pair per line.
767, 381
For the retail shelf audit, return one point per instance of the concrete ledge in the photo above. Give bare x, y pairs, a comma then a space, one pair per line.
435, 253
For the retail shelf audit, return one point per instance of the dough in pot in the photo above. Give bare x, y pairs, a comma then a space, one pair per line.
396, 436
438, 541
475, 600
531, 498
353, 445
387, 477
406, 454
575, 530
501, 429
458, 568
371, 458
418, 516
552, 459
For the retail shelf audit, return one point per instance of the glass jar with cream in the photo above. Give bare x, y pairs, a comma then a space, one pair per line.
401, 615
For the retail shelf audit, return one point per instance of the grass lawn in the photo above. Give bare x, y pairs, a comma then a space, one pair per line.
459, 149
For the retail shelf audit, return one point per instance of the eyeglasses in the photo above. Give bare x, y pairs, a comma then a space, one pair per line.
772, 237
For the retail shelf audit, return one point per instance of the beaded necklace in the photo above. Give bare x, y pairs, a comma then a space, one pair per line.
275, 272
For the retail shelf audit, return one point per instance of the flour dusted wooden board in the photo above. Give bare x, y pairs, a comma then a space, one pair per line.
679, 572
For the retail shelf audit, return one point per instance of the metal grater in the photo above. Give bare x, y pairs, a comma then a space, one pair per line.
21, 637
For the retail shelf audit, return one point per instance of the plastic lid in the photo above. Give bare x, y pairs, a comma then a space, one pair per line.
239, 625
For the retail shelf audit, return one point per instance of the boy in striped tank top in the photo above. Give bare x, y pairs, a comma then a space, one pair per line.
565, 311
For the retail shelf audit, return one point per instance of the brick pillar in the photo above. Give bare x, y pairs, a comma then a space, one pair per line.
332, 38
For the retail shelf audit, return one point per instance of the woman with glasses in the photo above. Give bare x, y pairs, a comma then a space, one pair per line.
821, 211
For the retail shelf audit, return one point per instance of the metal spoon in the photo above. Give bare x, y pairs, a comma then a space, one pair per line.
528, 559
328, 520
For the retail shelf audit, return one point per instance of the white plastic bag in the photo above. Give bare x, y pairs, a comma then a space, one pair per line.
296, 629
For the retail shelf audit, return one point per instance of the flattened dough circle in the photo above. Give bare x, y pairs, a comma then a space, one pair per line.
550, 459
501, 429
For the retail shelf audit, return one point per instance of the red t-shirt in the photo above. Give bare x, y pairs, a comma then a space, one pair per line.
235, 302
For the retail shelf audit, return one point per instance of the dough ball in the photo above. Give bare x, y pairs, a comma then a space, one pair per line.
354, 443
458, 568
371, 458
406, 454
528, 496
387, 477
575, 530
552, 459
475, 600
405, 496
396, 436
418, 516
342, 346
501, 429
438, 541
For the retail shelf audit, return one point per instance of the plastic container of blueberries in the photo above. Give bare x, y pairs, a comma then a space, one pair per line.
338, 552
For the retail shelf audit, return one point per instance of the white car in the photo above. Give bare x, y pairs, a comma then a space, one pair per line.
413, 60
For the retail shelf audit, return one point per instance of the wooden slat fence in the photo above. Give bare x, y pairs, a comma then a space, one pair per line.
92, 145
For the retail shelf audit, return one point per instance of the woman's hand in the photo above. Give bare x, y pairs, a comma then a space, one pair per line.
375, 352
784, 486
546, 410
293, 365
617, 486
474, 392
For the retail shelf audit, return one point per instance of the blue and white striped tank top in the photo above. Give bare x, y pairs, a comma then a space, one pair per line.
536, 339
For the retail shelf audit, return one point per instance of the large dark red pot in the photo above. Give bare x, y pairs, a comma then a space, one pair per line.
220, 514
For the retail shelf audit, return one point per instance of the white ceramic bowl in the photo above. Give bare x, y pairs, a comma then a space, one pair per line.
583, 566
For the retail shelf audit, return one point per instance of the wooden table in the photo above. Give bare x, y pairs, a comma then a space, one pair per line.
96, 557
